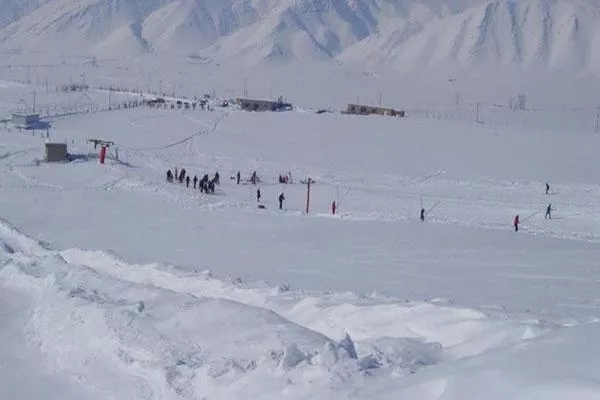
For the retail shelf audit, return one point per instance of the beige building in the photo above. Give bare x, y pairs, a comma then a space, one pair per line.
361, 109
263, 105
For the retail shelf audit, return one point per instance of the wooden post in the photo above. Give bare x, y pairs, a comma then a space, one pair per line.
308, 195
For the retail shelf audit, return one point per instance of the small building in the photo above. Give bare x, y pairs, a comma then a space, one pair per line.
56, 152
26, 121
263, 105
361, 109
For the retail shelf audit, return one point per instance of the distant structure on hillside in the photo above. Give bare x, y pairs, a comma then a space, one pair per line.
360, 109
264, 105
26, 121
56, 152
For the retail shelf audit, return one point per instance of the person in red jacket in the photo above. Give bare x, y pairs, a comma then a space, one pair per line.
516, 223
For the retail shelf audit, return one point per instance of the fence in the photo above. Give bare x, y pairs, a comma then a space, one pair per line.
577, 120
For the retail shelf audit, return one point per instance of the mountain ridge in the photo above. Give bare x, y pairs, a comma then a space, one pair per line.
405, 35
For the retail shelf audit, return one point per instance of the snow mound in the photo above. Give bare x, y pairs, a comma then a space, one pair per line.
140, 340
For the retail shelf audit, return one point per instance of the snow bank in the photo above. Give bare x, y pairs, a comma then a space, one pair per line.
140, 340
152, 331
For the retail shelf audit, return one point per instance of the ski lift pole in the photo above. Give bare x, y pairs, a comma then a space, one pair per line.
433, 207
307, 195
530, 216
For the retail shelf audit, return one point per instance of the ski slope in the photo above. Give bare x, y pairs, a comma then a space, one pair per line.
121, 285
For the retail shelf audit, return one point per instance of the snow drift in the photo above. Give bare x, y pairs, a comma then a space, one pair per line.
151, 331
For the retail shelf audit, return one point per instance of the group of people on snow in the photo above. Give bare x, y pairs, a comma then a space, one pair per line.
281, 198
517, 220
548, 214
205, 184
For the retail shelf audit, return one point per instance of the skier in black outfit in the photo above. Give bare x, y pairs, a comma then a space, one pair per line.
547, 188
548, 212
187, 181
238, 176
422, 215
216, 178
281, 199
195, 181
258, 195
169, 176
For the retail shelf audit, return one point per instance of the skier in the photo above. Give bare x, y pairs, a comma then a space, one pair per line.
281, 199
187, 181
176, 176
169, 176
333, 207
216, 178
258, 195
547, 188
238, 176
254, 178
516, 223
548, 212
195, 181
422, 215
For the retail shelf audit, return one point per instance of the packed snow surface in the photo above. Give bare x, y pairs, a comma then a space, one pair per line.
116, 284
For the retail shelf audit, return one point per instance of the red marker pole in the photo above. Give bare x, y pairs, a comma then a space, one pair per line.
102, 154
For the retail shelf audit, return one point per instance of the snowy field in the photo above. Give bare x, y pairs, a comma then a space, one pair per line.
117, 284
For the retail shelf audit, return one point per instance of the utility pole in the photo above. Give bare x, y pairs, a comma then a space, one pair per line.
34, 101
598, 119
109, 99
380, 99
28, 73
160, 87
477, 112
245, 94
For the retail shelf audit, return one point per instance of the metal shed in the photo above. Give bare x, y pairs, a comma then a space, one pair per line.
26, 121
56, 152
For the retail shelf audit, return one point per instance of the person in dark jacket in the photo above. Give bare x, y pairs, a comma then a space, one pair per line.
258, 195
238, 176
547, 188
187, 181
516, 223
281, 199
195, 181
422, 215
169, 176
216, 178
548, 212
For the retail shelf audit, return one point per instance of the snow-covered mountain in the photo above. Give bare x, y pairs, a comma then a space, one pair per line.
409, 35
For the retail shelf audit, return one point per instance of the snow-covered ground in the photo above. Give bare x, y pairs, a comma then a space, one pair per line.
117, 284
